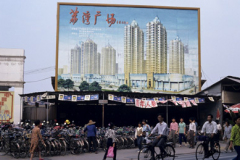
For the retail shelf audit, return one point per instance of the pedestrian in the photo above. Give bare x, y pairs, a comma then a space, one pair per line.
91, 135
191, 132
235, 137
227, 135
138, 135
195, 137
146, 128
182, 132
111, 141
35, 138
219, 131
173, 131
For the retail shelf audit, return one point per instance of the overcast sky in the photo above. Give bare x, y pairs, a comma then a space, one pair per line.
31, 25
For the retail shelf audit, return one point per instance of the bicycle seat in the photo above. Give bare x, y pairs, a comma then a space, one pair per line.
169, 143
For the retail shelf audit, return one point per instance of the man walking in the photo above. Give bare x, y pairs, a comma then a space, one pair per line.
91, 135
235, 138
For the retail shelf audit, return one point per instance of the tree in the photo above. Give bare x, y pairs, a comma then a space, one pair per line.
124, 88
84, 86
61, 82
68, 83
95, 86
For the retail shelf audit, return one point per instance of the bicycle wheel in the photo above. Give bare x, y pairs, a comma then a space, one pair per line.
145, 154
170, 152
200, 153
43, 149
216, 151
63, 147
15, 150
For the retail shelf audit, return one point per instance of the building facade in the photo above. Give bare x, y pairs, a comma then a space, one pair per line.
108, 61
156, 49
133, 48
75, 65
176, 56
90, 57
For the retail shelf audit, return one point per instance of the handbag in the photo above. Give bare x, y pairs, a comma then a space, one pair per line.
110, 152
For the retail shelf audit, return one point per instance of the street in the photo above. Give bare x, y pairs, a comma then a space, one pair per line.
182, 153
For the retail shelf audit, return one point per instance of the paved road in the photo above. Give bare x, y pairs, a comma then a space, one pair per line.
129, 154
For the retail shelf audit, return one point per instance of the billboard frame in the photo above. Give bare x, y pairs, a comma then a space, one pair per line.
130, 6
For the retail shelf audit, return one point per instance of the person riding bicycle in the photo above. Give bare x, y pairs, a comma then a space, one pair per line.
210, 130
161, 130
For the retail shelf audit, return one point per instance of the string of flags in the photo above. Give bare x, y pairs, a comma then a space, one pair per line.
75, 98
153, 102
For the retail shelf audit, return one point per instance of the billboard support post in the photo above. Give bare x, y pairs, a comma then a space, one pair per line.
102, 115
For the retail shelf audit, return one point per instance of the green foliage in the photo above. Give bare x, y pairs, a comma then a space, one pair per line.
84, 86
95, 86
61, 82
68, 83
124, 88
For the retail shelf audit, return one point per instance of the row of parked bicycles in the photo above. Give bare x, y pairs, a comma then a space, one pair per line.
16, 141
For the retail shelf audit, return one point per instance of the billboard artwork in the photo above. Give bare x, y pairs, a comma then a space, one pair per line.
127, 48
6, 106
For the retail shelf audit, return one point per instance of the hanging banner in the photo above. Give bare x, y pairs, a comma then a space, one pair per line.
94, 97
196, 100
173, 98
193, 102
74, 98
130, 100
110, 97
67, 98
174, 102
87, 97
182, 103
61, 97
162, 100
124, 100
80, 98
211, 99
201, 100
145, 103
38, 98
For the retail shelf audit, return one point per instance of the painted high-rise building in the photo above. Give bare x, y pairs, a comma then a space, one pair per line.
133, 49
176, 56
75, 60
156, 47
108, 60
90, 58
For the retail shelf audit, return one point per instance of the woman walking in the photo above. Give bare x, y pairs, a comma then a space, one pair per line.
146, 128
35, 137
111, 141
227, 135
182, 132
138, 135
173, 131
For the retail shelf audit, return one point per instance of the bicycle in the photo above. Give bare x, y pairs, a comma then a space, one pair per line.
200, 152
145, 153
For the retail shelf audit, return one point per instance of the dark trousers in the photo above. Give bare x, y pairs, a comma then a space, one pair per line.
158, 143
237, 149
209, 140
191, 140
110, 143
139, 142
182, 136
92, 141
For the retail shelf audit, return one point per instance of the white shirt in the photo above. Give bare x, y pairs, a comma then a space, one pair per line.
160, 128
219, 127
111, 134
209, 128
192, 127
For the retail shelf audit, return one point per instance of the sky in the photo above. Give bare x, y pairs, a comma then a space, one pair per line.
31, 25
182, 23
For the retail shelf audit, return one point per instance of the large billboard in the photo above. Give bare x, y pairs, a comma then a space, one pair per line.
128, 48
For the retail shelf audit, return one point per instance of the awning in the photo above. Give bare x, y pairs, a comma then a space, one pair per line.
235, 108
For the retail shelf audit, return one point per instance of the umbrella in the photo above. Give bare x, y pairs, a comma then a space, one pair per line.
235, 108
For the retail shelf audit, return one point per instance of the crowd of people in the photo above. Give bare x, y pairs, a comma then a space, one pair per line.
181, 133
